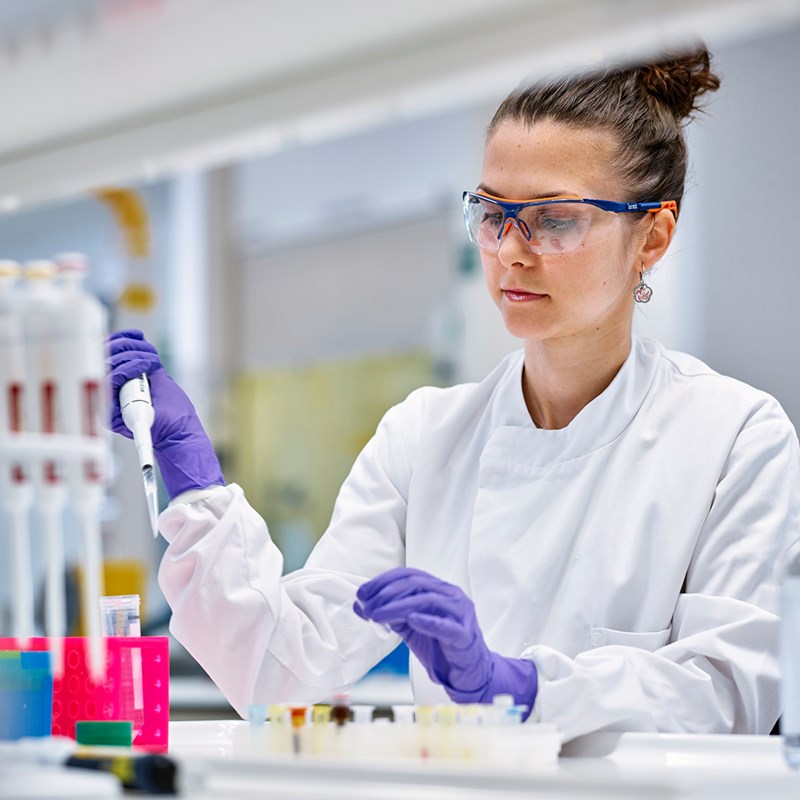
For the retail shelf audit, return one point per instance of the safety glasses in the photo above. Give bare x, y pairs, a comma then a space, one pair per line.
550, 225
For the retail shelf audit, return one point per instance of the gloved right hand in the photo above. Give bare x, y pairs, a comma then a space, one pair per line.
438, 623
185, 456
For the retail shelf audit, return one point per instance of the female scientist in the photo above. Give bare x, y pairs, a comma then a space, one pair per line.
596, 528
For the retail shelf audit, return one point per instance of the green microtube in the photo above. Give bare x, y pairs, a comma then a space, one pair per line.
114, 733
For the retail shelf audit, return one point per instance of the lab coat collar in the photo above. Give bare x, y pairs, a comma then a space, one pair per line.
516, 439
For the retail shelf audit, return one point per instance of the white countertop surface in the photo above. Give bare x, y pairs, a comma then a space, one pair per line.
629, 765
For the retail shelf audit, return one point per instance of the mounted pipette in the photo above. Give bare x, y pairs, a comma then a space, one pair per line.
137, 413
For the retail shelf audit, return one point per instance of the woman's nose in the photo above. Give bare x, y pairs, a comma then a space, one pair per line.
513, 249
513, 222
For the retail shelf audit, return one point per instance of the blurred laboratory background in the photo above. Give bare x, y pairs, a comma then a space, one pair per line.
271, 191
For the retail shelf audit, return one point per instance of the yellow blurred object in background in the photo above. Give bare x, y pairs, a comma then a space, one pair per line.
137, 297
131, 214
299, 431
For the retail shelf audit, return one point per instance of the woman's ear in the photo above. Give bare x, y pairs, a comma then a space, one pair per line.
658, 238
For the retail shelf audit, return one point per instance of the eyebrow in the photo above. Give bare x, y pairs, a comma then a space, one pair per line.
482, 187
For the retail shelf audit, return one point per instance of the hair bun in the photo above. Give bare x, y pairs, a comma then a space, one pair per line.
680, 80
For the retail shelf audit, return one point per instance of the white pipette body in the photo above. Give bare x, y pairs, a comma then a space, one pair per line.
16, 491
136, 406
41, 305
78, 331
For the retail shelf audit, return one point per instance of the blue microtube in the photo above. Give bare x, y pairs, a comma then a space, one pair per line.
26, 694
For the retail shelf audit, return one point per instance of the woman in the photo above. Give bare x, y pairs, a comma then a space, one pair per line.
596, 527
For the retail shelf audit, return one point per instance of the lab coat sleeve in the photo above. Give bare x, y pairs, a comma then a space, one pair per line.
716, 670
264, 638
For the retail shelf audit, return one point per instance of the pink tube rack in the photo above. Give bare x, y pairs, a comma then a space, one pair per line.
77, 697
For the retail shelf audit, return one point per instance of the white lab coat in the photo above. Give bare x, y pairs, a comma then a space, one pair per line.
634, 555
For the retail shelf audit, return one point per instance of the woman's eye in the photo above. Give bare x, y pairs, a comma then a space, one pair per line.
557, 224
491, 220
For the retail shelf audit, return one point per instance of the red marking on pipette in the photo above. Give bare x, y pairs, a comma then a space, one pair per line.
15, 424
91, 406
15, 407
49, 425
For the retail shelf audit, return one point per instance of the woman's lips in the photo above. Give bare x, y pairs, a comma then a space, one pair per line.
521, 296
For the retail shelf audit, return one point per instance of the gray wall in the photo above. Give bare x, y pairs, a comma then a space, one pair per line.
747, 164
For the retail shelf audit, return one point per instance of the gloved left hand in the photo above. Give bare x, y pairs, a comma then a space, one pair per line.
186, 458
437, 621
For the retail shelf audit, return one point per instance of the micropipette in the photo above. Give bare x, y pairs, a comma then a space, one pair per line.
77, 328
16, 492
137, 413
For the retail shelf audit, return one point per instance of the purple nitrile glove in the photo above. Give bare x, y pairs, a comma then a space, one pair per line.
438, 623
185, 456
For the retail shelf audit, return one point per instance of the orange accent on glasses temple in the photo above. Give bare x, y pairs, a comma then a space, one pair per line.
537, 200
670, 205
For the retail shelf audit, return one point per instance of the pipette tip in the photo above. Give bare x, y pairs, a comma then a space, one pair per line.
151, 492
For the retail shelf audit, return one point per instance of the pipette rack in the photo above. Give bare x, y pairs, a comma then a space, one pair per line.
78, 696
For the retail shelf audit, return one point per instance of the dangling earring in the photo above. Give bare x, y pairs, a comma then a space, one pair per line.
642, 292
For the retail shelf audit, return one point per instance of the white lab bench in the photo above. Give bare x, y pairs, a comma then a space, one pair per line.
629, 765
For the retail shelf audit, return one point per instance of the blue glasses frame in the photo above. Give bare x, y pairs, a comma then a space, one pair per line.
511, 208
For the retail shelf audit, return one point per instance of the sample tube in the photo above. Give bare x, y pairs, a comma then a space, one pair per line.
362, 713
425, 716
256, 714
404, 731
471, 731
297, 716
447, 739
279, 729
497, 712
321, 730
340, 710
120, 617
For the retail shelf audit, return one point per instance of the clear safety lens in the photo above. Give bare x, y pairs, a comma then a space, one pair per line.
550, 227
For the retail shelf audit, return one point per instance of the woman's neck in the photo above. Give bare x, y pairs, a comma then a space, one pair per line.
563, 376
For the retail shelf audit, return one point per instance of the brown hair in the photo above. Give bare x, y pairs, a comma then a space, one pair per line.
644, 106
